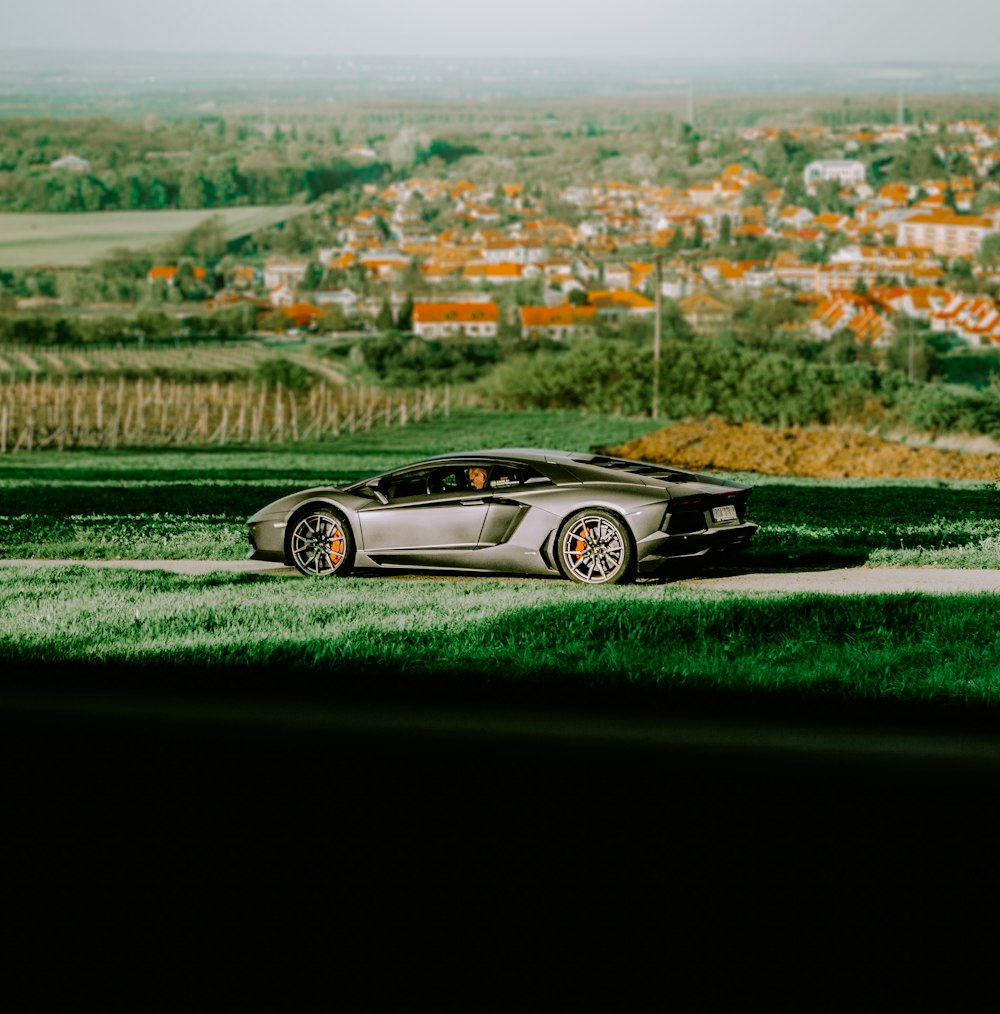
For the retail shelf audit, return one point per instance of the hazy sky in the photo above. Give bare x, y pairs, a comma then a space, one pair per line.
896, 30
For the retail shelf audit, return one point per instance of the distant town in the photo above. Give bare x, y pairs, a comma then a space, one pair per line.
849, 248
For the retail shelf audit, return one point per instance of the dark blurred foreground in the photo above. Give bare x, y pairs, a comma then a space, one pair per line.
395, 811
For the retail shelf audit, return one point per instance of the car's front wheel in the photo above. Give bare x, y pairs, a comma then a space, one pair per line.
595, 547
319, 543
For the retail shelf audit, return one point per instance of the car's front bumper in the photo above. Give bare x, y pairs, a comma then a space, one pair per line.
267, 540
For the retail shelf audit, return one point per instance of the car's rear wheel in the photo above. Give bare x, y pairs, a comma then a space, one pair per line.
595, 547
319, 543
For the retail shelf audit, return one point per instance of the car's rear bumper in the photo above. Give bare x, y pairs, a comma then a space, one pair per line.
713, 540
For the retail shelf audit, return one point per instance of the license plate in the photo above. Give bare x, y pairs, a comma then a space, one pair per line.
727, 513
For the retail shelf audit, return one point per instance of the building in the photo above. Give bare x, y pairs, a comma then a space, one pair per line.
451, 320
167, 273
284, 272
705, 313
557, 322
848, 172
71, 163
944, 233
617, 304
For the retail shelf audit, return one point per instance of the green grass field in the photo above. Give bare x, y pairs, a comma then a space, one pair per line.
178, 505
101, 505
907, 648
74, 240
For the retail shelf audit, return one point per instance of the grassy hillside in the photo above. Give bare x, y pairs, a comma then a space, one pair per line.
73, 240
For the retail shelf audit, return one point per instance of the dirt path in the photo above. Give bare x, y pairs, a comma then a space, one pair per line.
848, 581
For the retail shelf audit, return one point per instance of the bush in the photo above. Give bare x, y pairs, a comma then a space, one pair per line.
290, 375
401, 361
712, 377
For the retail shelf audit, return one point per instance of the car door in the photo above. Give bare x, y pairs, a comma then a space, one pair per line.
416, 521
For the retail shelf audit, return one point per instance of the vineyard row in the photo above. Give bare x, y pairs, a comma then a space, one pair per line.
84, 413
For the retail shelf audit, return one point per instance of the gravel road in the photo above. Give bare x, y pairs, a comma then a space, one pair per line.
848, 581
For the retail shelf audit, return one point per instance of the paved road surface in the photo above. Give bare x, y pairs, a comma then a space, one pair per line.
847, 581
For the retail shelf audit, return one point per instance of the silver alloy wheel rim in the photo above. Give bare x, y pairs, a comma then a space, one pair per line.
594, 550
318, 544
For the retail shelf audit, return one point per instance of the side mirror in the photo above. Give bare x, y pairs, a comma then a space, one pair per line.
379, 495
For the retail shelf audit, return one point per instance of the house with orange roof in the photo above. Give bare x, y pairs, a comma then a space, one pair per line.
557, 322
973, 319
168, 273
505, 273
944, 232
854, 312
385, 264
454, 320
831, 221
704, 312
617, 304
897, 193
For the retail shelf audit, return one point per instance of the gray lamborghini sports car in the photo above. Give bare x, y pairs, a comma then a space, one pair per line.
590, 518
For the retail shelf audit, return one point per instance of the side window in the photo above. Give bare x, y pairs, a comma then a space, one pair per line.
505, 477
399, 487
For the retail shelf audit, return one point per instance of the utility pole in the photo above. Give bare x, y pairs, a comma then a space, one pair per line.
657, 323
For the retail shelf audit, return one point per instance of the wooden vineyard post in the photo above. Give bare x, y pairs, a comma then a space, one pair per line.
241, 421
224, 425
203, 417
129, 412
138, 437
99, 412
370, 409
278, 430
116, 425
349, 412
163, 400
3, 429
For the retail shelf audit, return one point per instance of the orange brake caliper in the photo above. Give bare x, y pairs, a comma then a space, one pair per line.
580, 544
337, 547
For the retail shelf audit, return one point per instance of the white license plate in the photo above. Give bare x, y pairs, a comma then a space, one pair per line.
727, 513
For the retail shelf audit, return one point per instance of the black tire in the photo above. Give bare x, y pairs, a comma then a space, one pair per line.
319, 543
595, 546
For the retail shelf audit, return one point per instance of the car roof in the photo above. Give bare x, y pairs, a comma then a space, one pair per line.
513, 453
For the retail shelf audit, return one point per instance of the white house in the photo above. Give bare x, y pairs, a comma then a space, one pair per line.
848, 172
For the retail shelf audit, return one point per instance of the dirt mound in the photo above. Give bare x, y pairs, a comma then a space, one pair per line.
810, 453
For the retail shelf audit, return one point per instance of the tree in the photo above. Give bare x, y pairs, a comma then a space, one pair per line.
725, 230
404, 319
989, 252
313, 276
384, 321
